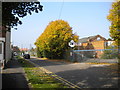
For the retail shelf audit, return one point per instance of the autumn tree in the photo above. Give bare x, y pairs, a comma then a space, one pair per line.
114, 18
53, 42
13, 11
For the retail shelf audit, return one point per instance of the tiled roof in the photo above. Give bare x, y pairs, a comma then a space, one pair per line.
86, 39
83, 40
23, 49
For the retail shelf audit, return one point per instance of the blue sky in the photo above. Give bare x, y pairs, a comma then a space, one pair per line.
86, 19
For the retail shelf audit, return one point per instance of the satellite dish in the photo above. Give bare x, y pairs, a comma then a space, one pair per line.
71, 43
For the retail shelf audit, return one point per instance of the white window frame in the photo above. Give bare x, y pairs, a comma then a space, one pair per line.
98, 38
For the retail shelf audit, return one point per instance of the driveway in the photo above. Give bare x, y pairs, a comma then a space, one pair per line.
82, 74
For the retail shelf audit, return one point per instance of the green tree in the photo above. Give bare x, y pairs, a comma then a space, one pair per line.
16, 49
53, 42
13, 11
114, 18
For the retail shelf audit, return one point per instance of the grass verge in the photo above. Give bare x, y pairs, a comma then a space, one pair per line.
37, 78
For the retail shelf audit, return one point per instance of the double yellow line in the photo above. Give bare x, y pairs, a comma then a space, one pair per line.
69, 84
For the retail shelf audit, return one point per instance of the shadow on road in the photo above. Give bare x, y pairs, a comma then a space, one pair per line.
92, 77
47, 62
84, 75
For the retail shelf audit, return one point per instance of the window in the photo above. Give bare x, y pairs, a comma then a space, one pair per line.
98, 38
0, 48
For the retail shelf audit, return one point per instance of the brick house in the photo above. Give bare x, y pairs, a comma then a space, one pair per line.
95, 43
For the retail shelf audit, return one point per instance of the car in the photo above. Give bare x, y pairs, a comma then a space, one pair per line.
26, 56
15, 54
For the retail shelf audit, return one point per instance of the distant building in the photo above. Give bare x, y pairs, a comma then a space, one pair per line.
96, 42
24, 49
110, 42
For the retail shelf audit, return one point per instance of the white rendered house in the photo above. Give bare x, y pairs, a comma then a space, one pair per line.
5, 47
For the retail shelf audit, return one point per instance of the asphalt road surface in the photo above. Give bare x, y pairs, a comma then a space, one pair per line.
82, 74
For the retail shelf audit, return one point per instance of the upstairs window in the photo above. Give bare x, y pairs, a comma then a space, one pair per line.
98, 39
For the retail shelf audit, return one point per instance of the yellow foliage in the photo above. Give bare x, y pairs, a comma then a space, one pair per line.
56, 37
114, 18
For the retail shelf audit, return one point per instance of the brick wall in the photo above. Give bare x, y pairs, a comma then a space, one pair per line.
95, 44
98, 44
2, 32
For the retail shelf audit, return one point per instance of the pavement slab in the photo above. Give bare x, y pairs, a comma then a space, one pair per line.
14, 76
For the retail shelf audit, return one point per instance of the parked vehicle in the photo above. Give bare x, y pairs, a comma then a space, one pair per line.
15, 54
26, 56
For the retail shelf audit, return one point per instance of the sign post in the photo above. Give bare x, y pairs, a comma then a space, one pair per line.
72, 44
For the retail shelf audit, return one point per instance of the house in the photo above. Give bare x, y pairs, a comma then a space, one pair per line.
5, 46
24, 51
94, 43
110, 43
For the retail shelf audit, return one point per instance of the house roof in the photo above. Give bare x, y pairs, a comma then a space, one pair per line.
86, 39
83, 40
23, 49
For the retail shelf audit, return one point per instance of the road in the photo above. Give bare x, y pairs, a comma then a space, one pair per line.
82, 74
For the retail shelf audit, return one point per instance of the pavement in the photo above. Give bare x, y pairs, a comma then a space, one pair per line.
13, 77
96, 60
82, 74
